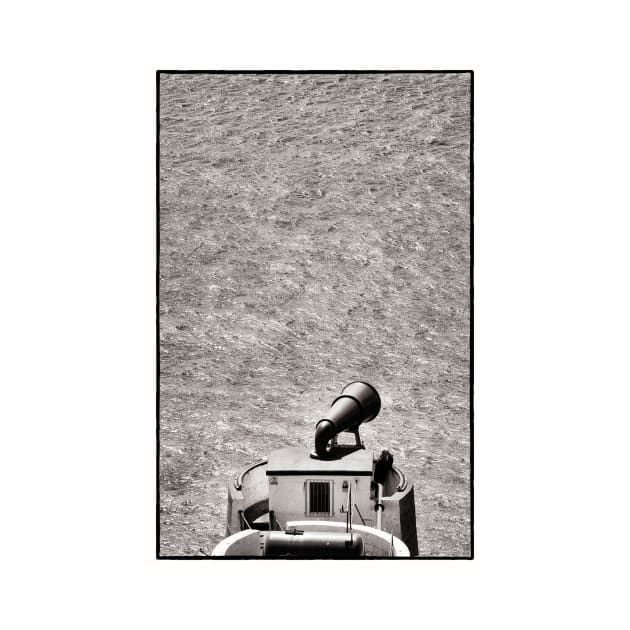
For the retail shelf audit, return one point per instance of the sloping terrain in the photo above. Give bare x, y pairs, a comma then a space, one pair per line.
314, 230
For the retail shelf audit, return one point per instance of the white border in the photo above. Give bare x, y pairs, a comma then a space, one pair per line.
551, 314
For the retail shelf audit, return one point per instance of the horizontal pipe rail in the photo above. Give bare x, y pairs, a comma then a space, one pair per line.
238, 480
403, 480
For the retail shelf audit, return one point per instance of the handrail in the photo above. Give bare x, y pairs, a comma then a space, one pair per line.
356, 507
241, 515
403, 480
379, 507
238, 480
274, 521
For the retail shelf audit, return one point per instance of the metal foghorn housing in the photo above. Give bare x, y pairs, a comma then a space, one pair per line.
358, 402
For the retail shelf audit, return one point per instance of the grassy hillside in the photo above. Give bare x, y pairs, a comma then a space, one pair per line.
314, 231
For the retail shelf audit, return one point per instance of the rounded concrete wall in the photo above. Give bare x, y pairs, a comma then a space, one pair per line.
377, 543
245, 543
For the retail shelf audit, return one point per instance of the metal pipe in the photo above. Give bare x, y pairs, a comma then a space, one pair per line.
379, 505
301, 544
238, 480
356, 507
402, 483
241, 515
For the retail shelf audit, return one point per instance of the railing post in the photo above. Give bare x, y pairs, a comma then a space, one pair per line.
379, 504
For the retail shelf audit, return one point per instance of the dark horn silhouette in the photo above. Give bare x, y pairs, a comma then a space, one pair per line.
358, 402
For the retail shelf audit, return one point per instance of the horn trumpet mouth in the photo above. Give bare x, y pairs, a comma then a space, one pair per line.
358, 402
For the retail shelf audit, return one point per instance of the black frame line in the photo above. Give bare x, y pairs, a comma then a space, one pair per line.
314, 72
158, 74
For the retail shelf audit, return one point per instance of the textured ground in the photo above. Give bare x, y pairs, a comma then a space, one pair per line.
314, 231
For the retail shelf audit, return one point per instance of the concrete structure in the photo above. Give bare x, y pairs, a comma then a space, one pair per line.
345, 487
251, 543
303, 487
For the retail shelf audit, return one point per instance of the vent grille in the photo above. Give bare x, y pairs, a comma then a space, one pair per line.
319, 498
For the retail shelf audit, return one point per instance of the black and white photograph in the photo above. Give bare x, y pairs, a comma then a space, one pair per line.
315, 329
315, 314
